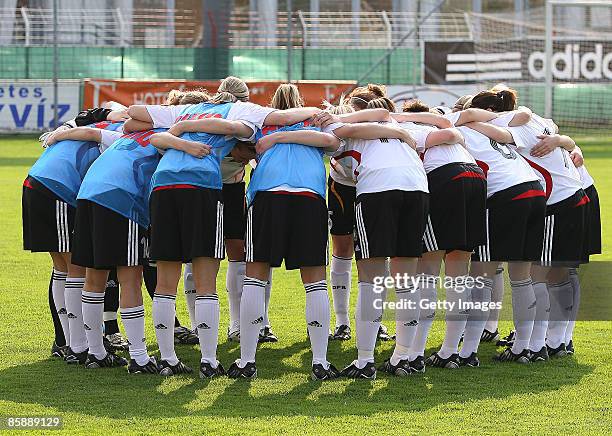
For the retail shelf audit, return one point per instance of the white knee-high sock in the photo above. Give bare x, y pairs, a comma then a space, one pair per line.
233, 284
190, 294
368, 315
406, 322
58, 288
74, 307
340, 277
561, 296
575, 281
134, 325
93, 321
429, 295
207, 317
476, 319
317, 320
523, 312
164, 312
497, 296
455, 318
266, 322
252, 311
540, 325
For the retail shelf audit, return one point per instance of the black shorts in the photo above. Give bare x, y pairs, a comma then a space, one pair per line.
390, 224
457, 208
233, 210
186, 223
287, 226
592, 228
103, 239
47, 220
341, 206
564, 232
515, 225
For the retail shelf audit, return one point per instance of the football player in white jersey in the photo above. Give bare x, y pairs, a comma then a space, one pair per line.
563, 238
515, 215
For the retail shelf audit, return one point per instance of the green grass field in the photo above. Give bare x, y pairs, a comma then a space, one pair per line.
569, 395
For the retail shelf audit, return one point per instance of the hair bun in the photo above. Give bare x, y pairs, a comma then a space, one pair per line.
378, 90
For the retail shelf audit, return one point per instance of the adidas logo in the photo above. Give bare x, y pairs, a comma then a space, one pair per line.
412, 323
204, 326
129, 343
379, 319
86, 327
548, 310
160, 327
464, 312
143, 339
431, 316
111, 284
257, 321
315, 324
569, 308
71, 315
62, 311
532, 305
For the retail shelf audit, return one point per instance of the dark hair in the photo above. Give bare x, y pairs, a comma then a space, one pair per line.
504, 100
415, 105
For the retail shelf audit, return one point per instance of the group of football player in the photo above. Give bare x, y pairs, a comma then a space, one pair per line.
484, 187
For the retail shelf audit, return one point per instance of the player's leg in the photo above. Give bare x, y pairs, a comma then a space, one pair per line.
491, 332
458, 290
266, 334
537, 342
429, 271
205, 271
75, 281
133, 318
57, 306
164, 314
341, 205
113, 340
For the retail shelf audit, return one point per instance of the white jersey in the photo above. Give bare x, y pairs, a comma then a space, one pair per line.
556, 171
108, 137
340, 170
383, 165
502, 165
437, 156
585, 177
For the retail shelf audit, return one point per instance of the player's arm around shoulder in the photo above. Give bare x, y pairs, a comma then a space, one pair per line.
214, 126
77, 134
312, 138
165, 140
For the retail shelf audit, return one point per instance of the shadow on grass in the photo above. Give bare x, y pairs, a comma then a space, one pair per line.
282, 389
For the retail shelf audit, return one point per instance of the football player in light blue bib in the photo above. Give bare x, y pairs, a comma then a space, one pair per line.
187, 206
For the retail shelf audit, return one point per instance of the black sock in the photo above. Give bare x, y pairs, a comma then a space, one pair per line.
149, 274
111, 304
60, 340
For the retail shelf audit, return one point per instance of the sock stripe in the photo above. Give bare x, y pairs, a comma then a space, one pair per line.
521, 282
321, 289
214, 297
164, 297
405, 290
341, 258
559, 285
254, 282
132, 315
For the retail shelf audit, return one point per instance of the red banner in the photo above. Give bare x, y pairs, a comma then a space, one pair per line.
99, 91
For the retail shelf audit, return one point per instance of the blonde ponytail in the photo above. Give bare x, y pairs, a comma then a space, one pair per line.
231, 90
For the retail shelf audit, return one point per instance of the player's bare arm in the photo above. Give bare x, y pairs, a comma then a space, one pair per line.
165, 140
305, 137
77, 134
473, 114
548, 143
423, 118
291, 116
521, 117
132, 125
324, 118
215, 126
444, 137
374, 131
139, 112
498, 134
